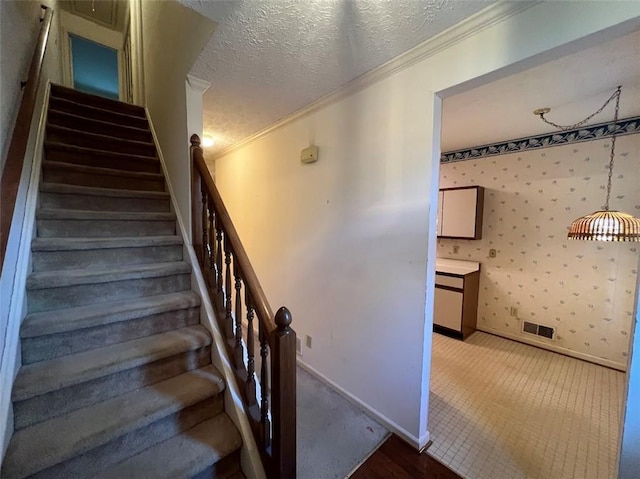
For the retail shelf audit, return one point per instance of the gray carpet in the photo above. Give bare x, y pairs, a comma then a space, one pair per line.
334, 436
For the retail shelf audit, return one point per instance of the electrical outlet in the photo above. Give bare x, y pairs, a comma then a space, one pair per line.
299, 346
456, 249
513, 311
308, 339
492, 253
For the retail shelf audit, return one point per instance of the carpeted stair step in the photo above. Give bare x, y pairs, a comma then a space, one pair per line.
79, 155
74, 197
91, 111
204, 449
57, 223
101, 127
61, 332
51, 290
58, 386
101, 142
59, 91
57, 254
81, 175
89, 440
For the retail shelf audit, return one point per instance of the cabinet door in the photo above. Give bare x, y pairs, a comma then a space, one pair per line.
459, 213
447, 309
439, 228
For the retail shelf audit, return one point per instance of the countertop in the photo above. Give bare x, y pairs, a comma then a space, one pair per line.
456, 266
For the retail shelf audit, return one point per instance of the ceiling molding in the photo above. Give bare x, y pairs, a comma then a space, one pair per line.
486, 18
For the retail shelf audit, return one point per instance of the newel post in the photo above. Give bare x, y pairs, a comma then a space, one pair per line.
195, 194
283, 391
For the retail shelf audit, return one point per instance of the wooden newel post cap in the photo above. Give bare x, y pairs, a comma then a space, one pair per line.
195, 140
283, 318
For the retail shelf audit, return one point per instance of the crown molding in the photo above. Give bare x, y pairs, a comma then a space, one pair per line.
486, 18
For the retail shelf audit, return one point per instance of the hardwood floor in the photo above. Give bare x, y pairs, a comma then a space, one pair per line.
395, 459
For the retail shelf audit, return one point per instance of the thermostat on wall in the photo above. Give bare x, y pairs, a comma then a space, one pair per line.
309, 155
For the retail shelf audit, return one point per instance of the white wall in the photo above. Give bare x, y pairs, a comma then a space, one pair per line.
583, 289
344, 242
172, 38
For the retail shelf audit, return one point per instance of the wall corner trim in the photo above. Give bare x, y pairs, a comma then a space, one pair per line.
198, 84
486, 18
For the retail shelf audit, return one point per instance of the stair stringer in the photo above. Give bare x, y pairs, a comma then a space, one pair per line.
14, 287
251, 463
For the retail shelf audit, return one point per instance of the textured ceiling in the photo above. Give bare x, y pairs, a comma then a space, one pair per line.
573, 87
269, 58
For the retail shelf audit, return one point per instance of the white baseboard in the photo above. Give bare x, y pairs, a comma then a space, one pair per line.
414, 441
556, 349
249, 454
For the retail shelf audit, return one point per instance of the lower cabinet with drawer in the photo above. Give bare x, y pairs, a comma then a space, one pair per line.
455, 309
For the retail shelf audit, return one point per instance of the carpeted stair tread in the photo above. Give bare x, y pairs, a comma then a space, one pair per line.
99, 126
82, 317
95, 170
93, 111
72, 277
95, 191
31, 449
66, 148
92, 140
62, 214
59, 91
182, 456
74, 244
46, 376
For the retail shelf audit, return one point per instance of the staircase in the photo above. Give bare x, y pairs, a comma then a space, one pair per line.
116, 378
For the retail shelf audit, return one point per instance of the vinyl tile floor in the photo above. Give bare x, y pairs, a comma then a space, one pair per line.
501, 409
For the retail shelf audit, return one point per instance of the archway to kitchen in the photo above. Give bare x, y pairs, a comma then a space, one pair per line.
538, 389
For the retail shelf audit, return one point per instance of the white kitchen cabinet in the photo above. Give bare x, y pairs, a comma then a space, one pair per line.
460, 212
455, 308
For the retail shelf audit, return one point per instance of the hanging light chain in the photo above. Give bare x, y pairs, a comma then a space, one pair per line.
613, 146
615, 94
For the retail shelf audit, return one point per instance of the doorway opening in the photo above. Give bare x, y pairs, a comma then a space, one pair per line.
503, 402
94, 67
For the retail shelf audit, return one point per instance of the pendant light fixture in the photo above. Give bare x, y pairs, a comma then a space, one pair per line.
603, 225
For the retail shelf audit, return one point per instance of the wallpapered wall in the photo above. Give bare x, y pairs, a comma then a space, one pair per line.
584, 289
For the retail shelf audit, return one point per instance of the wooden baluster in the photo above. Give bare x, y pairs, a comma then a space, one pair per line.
265, 425
283, 396
219, 295
238, 350
205, 241
212, 242
250, 385
228, 319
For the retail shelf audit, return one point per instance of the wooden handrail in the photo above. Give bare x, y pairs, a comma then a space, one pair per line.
260, 303
13, 165
226, 267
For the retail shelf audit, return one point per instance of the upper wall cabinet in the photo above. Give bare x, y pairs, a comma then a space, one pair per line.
460, 212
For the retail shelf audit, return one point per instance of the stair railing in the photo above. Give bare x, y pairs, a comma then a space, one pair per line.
14, 162
234, 286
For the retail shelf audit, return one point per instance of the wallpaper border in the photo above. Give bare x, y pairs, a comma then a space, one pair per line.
599, 131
